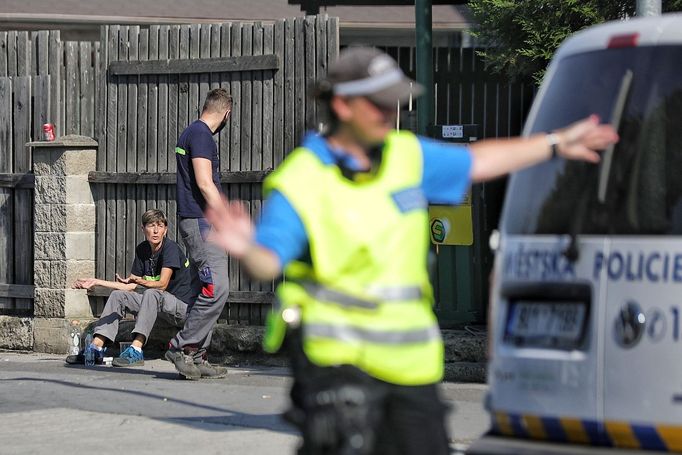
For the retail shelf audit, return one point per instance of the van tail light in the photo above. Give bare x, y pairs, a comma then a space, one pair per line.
619, 41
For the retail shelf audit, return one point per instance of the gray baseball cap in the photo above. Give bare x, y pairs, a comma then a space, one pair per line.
368, 72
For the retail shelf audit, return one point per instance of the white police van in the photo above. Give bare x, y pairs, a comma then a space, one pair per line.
586, 315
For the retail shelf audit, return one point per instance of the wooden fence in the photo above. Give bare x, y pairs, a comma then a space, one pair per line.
152, 85
137, 88
42, 79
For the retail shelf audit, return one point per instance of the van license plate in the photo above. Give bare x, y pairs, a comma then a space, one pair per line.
546, 324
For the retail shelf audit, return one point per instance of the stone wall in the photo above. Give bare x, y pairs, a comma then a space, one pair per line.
64, 238
16, 333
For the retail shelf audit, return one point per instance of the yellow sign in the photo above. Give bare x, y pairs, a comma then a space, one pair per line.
451, 225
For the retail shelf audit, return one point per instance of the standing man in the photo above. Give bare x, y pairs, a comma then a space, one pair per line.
198, 189
162, 269
346, 219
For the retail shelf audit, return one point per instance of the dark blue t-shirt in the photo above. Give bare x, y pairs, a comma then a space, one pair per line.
148, 265
195, 142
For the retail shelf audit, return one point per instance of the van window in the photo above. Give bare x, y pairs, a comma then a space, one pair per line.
644, 184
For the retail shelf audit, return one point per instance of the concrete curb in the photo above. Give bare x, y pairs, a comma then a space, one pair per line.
237, 345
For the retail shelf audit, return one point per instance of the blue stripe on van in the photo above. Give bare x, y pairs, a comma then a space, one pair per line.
518, 426
665, 438
597, 433
648, 437
555, 431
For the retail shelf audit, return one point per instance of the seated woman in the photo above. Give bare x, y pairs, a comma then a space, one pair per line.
163, 270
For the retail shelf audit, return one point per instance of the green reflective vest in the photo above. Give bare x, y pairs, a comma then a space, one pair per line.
366, 298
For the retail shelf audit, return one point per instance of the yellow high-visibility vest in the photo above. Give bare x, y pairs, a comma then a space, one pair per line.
365, 299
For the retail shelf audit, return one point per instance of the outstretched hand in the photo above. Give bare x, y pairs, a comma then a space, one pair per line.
85, 283
582, 139
132, 279
232, 227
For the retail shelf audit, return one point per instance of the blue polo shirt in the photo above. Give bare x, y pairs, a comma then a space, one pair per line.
196, 141
447, 171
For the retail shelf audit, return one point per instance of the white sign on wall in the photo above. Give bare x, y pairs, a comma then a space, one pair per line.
453, 131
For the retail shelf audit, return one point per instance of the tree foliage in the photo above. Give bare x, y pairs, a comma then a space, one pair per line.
522, 35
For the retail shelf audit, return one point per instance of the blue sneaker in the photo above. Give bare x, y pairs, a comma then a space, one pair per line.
79, 359
131, 357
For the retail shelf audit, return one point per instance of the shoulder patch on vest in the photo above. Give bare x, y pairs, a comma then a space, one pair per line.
409, 199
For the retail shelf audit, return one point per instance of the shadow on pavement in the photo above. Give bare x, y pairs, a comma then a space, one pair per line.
243, 422
271, 422
245, 371
138, 371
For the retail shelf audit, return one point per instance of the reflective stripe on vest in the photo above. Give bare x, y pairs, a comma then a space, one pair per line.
396, 293
381, 293
355, 334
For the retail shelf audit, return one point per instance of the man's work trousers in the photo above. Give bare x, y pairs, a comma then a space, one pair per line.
212, 268
146, 307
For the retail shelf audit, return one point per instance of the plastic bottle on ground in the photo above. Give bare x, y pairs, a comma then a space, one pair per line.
75, 340
88, 352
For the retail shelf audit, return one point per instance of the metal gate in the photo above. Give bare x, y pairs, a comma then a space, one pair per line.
465, 93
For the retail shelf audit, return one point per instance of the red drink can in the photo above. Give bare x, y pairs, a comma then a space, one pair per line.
48, 132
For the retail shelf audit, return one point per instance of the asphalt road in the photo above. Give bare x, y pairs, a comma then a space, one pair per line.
47, 407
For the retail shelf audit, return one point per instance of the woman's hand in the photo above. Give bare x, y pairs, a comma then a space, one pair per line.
85, 283
132, 279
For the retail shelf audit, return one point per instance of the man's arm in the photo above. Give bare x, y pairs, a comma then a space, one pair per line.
203, 173
580, 141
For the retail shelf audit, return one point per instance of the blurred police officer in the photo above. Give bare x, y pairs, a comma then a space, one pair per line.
346, 221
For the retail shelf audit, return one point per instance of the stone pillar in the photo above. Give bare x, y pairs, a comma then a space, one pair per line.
64, 238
